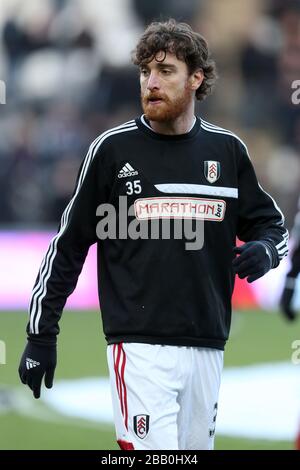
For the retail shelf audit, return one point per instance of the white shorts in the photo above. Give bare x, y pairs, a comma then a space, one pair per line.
164, 397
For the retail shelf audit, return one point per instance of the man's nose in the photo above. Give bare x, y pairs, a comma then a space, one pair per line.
153, 81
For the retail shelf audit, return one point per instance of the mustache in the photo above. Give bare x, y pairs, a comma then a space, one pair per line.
154, 96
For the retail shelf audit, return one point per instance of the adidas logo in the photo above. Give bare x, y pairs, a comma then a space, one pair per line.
30, 363
126, 171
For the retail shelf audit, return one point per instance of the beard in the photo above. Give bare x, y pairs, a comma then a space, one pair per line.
167, 110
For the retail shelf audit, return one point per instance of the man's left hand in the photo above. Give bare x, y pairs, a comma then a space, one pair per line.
254, 260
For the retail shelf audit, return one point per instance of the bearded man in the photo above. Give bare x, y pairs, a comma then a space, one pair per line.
165, 305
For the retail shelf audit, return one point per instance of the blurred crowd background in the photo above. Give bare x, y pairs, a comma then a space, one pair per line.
66, 65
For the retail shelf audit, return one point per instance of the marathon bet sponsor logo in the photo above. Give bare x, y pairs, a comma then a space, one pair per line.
127, 171
180, 207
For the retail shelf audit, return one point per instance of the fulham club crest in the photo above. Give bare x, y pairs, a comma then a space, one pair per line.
212, 170
141, 425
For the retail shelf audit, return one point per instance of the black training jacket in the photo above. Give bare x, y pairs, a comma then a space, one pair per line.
152, 288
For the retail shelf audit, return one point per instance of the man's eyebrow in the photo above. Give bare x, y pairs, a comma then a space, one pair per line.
166, 65
160, 65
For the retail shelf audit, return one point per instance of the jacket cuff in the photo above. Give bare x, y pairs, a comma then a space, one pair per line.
273, 252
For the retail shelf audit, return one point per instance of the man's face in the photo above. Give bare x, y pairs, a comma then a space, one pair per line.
166, 91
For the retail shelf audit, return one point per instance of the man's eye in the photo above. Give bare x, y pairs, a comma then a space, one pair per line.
166, 71
144, 71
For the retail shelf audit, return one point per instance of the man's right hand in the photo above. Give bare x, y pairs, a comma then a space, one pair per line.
286, 299
37, 360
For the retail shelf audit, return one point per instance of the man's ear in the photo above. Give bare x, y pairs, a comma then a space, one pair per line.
196, 79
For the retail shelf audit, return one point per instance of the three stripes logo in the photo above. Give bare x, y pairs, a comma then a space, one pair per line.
30, 363
212, 431
141, 425
127, 171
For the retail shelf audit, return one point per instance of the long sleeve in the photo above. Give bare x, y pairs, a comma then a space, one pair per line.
259, 217
63, 262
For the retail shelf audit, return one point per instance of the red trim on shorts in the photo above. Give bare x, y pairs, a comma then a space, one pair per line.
124, 386
124, 445
118, 378
119, 366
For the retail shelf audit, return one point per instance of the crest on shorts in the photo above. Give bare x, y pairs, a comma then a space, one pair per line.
212, 170
141, 425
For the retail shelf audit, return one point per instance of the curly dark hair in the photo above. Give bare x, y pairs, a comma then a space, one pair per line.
186, 44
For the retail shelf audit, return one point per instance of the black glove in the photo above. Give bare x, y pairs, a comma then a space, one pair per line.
286, 299
38, 360
255, 260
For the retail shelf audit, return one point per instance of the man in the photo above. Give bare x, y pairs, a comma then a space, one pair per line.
286, 301
166, 307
